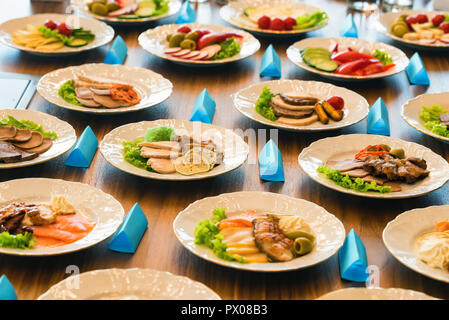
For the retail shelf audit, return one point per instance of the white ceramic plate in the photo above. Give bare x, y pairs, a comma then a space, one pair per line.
99, 207
154, 41
346, 146
174, 7
329, 231
234, 148
375, 294
151, 87
356, 107
399, 57
129, 284
401, 233
232, 13
65, 141
411, 109
387, 19
103, 33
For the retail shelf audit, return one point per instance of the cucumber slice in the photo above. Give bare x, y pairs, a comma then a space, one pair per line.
76, 43
128, 16
144, 12
147, 4
328, 66
322, 51
310, 56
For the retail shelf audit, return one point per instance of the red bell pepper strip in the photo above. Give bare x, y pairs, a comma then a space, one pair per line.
348, 56
375, 68
216, 37
351, 67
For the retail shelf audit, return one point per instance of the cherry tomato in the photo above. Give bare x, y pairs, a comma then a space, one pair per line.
337, 102
411, 20
65, 29
184, 29
422, 18
50, 24
289, 22
277, 24
445, 27
264, 22
438, 19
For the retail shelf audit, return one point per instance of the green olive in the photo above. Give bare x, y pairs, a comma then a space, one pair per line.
89, 5
188, 44
176, 39
399, 29
302, 246
112, 6
168, 37
398, 153
300, 234
387, 147
100, 9
192, 36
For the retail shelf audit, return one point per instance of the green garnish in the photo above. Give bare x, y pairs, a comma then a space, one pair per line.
161, 133
310, 20
229, 48
207, 234
27, 124
431, 117
131, 154
161, 7
19, 241
346, 182
131, 149
67, 92
79, 33
263, 105
383, 57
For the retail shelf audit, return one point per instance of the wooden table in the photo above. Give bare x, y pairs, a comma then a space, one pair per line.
162, 201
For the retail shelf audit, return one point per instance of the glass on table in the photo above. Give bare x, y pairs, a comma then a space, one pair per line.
363, 5
396, 5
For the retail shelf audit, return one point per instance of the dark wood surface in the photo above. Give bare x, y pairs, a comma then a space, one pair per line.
162, 201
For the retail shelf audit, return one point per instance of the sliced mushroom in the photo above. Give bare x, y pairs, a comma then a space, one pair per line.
7, 132
22, 135
107, 102
35, 141
164, 166
46, 145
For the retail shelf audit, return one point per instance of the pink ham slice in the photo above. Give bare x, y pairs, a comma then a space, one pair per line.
181, 53
125, 10
201, 56
356, 173
172, 50
344, 165
192, 54
211, 50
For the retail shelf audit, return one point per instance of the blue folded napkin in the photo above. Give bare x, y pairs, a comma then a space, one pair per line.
378, 120
204, 108
117, 52
7, 291
349, 28
84, 150
127, 237
416, 71
271, 63
271, 167
186, 13
352, 259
